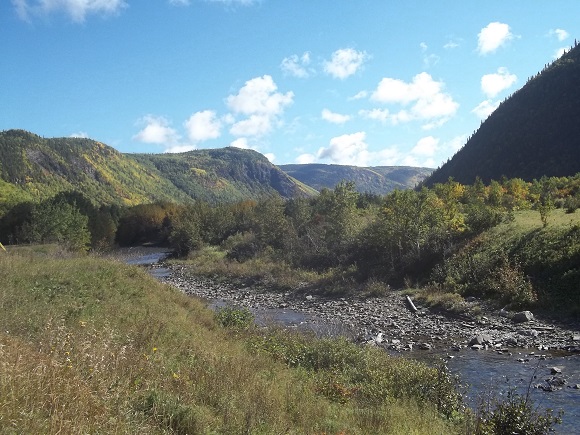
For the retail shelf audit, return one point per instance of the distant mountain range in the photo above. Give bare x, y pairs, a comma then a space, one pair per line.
378, 179
535, 132
33, 168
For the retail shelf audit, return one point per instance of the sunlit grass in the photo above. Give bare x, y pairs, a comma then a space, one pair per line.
93, 346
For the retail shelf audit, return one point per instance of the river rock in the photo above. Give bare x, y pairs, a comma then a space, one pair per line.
481, 339
425, 346
523, 316
555, 370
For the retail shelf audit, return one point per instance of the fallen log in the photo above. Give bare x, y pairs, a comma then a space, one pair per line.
411, 304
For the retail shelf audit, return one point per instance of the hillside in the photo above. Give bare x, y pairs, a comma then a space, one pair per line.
35, 168
533, 133
378, 180
223, 174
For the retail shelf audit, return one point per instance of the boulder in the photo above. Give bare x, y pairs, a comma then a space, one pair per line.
481, 339
523, 316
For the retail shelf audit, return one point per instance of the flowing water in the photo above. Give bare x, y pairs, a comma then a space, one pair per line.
480, 372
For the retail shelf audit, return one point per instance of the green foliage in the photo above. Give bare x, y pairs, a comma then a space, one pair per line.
533, 133
235, 318
514, 415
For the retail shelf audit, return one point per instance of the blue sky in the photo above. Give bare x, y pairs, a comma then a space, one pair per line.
367, 82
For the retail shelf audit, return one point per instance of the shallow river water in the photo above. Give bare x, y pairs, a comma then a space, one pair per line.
480, 372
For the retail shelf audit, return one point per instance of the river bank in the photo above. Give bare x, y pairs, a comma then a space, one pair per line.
390, 322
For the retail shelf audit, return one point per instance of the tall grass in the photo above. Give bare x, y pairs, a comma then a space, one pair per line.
93, 346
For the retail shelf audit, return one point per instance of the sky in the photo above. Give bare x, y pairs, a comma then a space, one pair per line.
356, 82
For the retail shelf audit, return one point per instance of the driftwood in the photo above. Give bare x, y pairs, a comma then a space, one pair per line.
412, 306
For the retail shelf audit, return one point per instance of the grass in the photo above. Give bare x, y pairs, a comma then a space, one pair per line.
93, 346
519, 263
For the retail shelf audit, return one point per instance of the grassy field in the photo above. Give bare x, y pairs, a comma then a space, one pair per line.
94, 346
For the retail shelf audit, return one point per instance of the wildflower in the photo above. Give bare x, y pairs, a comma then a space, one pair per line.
154, 349
175, 375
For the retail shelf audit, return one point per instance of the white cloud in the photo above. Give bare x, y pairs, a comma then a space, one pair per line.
334, 118
157, 130
559, 52
296, 66
304, 159
254, 125
180, 2
561, 34
203, 126
240, 142
451, 45
78, 10
179, 148
260, 101
345, 62
493, 36
485, 108
429, 102
352, 149
80, 134
493, 84
270, 156
457, 142
359, 95
348, 149
259, 96
375, 114
426, 146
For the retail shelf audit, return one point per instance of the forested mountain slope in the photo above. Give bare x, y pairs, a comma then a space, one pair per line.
378, 180
533, 133
35, 168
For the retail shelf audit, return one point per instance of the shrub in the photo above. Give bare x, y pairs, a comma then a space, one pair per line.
236, 318
514, 415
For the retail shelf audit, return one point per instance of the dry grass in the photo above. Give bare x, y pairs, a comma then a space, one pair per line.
93, 346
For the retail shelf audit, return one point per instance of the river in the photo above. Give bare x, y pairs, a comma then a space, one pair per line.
481, 372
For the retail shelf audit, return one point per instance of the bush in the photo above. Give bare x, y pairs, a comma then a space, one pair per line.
235, 318
514, 415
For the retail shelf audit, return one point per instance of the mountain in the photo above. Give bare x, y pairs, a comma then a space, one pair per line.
535, 132
378, 179
35, 168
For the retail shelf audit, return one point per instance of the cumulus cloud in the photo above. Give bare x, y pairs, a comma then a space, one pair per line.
334, 118
561, 34
352, 149
345, 62
375, 114
485, 108
259, 100
203, 126
77, 10
270, 156
241, 142
425, 95
426, 146
348, 149
304, 159
493, 36
179, 148
156, 130
296, 66
493, 84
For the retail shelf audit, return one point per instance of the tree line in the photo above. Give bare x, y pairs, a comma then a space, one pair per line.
390, 237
